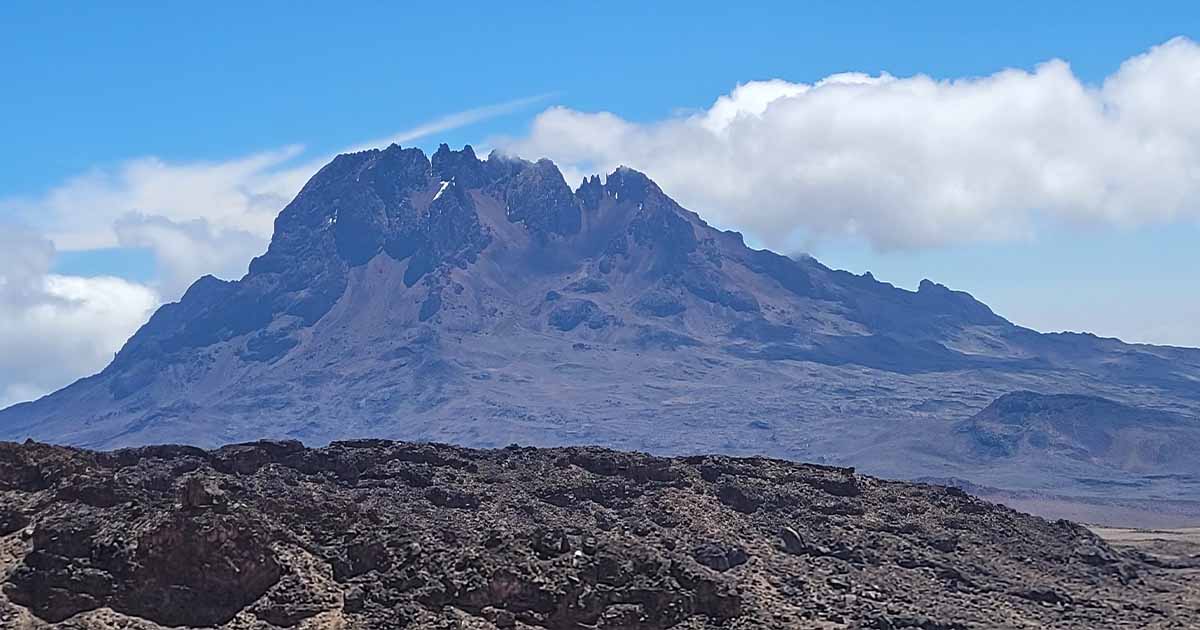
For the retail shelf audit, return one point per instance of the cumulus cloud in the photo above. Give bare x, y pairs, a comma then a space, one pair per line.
55, 328
197, 217
910, 162
243, 193
186, 250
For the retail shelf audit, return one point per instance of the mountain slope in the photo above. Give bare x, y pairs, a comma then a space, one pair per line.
485, 302
374, 534
1088, 428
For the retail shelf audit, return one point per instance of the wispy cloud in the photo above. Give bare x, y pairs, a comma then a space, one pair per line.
179, 210
197, 217
454, 121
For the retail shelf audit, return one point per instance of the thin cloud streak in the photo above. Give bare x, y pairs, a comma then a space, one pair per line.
454, 121
234, 200
201, 217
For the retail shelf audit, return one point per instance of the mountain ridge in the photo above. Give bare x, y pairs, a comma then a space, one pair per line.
486, 301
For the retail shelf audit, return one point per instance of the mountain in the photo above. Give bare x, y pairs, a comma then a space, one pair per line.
1086, 428
484, 302
370, 534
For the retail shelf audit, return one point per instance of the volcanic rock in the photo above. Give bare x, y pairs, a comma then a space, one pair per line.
340, 537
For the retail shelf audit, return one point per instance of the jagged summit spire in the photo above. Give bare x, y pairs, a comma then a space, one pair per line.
630, 184
461, 166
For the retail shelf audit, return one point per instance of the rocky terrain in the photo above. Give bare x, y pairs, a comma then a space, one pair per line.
376, 534
1172, 548
1035, 435
485, 301
1029, 425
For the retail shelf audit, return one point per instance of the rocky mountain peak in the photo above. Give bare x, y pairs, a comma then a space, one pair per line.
539, 197
590, 191
397, 202
462, 166
456, 299
938, 298
631, 186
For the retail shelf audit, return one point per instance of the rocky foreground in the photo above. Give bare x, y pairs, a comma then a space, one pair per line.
374, 534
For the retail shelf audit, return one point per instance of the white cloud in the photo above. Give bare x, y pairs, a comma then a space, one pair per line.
452, 121
244, 193
916, 162
196, 217
54, 328
186, 250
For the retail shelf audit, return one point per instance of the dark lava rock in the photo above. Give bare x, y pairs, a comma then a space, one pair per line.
569, 314
276, 535
720, 557
11, 520
175, 569
659, 304
443, 497
791, 540
195, 494
588, 285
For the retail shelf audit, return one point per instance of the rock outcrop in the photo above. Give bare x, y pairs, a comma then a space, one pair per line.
374, 534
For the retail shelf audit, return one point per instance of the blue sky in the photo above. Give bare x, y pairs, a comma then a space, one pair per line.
93, 84
89, 90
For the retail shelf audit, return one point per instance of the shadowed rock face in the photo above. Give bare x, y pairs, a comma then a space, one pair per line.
484, 301
1088, 428
372, 534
